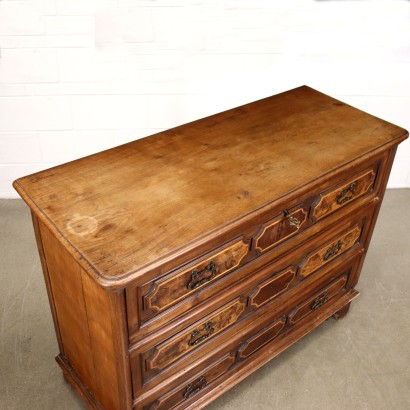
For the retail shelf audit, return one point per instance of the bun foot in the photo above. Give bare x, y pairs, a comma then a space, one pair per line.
342, 312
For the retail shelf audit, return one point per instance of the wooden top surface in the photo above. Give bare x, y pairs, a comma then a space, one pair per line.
124, 208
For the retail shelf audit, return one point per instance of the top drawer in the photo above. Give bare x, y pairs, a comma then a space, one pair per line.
189, 281
172, 288
292, 221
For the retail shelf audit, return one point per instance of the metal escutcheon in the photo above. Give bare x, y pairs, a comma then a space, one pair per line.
292, 220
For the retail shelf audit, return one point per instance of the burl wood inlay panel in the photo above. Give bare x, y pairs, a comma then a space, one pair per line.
282, 228
165, 293
344, 194
170, 351
272, 287
330, 251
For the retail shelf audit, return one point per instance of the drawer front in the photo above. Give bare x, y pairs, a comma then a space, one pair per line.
263, 332
166, 353
273, 287
330, 250
194, 386
283, 324
344, 193
318, 300
165, 292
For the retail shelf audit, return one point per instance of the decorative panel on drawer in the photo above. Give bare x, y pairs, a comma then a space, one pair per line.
178, 264
345, 192
282, 227
330, 250
167, 291
171, 350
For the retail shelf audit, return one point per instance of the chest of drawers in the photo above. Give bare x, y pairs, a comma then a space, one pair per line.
178, 264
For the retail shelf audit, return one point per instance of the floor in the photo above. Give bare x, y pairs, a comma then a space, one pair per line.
361, 362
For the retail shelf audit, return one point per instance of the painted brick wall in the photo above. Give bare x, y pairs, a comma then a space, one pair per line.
79, 76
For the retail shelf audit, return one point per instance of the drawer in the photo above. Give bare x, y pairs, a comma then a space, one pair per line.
292, 221
262, 333
344, 193
168, 352
318, 300
193, 386
170, 289
268, 333
330, 250
270, 279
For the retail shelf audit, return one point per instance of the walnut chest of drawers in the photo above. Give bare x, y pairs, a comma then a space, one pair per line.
178, 264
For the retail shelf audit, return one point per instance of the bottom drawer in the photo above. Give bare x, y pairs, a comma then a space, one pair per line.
273, 332
318, 300
192, 387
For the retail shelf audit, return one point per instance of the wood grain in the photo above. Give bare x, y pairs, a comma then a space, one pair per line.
169, 290
323, 298
249, 341
170, 351
90, 327
273, 305
272, 287
261, 339
191, 387
330, 251
268, 352
139, 326
186, 182
47, 281
66, 285
281, 228
343, 194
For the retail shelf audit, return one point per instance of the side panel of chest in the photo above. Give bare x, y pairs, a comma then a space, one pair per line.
90, 326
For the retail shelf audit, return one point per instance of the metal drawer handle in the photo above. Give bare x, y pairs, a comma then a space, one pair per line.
346, 194
319, 301
196, 282
333, 250
195, 387
198, 336
292, 220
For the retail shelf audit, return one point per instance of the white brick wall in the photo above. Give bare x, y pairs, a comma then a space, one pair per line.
79, 76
